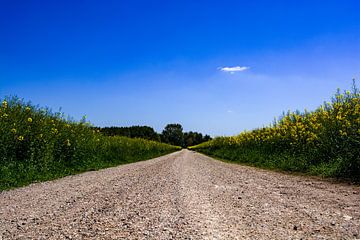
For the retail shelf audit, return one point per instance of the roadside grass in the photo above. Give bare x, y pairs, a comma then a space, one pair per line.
324, 142
308, 174
38, 145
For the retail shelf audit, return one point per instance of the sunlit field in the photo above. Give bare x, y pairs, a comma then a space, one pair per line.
37, 144
323, 142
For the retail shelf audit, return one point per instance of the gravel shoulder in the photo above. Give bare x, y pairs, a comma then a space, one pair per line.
183, 195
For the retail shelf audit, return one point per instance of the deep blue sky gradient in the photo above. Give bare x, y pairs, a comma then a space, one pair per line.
155, 62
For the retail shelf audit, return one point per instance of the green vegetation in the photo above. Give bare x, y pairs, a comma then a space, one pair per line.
144, 132
324, 142
38, 145
172, 134
194, 138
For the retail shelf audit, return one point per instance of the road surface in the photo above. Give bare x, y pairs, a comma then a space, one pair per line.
183, 195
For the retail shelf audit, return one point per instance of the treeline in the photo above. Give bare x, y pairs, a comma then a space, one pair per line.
172, 134
144, 132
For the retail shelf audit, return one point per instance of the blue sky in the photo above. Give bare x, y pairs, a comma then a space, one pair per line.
156, 62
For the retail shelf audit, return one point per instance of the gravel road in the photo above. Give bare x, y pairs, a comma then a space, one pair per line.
183, 195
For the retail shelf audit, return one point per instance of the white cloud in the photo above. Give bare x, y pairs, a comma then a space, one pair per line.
234, 69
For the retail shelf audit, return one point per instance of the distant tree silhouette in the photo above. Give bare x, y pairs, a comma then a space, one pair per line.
173, 134
132, 132
194, 138
206, 138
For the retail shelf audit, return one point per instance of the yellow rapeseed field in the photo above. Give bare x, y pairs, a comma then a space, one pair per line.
324, 142
36, 145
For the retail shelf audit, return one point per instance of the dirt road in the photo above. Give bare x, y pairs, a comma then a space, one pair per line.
184, 195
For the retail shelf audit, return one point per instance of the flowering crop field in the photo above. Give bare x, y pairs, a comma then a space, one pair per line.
323, 142
38, 145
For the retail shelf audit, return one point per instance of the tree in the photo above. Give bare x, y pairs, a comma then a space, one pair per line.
194, 138
144, 132
206, 138
173, 134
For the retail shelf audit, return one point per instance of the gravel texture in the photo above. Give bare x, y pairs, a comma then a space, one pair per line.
183, 195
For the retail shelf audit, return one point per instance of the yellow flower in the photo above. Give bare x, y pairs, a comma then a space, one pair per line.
27, 108
338, 117
343, 133
4, 104
30, 120
340, 96
20, 138
54, 130
67, 142
13, 130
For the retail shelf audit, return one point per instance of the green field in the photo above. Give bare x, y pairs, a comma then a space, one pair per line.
324, 142
38, 145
